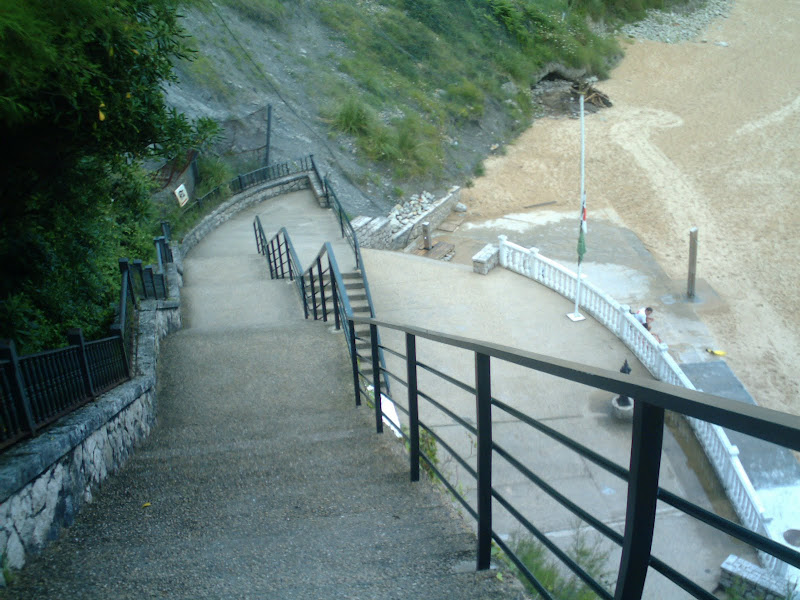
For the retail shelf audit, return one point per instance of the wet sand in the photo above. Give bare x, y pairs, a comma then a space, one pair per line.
701, 134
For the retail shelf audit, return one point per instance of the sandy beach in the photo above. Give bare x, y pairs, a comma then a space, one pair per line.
704, 134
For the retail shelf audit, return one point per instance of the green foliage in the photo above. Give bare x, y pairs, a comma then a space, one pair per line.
81, 104
353, 117
555, 577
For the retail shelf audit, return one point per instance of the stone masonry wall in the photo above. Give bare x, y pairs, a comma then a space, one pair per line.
44, 481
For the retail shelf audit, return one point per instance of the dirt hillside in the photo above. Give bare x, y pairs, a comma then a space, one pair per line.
702, 133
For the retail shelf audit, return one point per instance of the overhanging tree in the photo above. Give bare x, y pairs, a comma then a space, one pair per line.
81, 104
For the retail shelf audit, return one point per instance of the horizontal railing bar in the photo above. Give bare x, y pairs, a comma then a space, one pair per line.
449, 379
393, 352
465, 424
600, 461
540, 589
396, 378
450, 450
752, 538
757, 421
550, 545
473, 513
680, 580
559, 497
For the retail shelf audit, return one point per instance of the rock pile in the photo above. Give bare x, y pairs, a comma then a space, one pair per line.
672, 27
410, 212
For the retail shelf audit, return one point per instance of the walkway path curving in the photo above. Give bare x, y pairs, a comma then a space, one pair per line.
261, 479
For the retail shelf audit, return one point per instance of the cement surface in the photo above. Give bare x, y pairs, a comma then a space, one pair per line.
509, 309
262, 479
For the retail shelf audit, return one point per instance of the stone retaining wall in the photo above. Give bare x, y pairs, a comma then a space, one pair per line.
754, 583
440, 211
44, 481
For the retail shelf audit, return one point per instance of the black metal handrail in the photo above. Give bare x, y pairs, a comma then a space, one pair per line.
38, 389
262, 175
281, 258
652, 399
345, 225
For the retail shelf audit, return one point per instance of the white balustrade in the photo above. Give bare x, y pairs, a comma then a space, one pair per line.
723, 455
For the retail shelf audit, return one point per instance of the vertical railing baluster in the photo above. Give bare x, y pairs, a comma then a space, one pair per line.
354, 361
280, 257
302, 279
334, 295
413, 405
8, 352
313, 291
648, 433
483, 401
376, 378
323, 300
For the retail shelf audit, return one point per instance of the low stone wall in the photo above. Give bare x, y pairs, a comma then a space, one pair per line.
45, 480
752, 582
227, 210
486, 259
440, 211
373, 232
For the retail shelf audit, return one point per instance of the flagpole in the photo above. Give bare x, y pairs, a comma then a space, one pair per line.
576, 316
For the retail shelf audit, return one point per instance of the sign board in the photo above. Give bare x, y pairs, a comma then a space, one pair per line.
181, 195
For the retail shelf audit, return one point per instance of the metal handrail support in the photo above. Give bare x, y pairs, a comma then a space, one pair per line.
653, 398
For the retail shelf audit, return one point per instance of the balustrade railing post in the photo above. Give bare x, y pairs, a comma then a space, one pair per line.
354, 361
322, 298
75, 338
645, 464
376, 378
483, 401
334, 295
136, 267
313, 291
8, 352
258, 238
280, 256
160, 252
413, 405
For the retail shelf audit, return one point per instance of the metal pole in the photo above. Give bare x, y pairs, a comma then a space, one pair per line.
413, 405
269, 132
692, 262
576, 316
483, 402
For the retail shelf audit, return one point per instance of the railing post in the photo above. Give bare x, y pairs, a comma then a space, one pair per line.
273, 265
648, 433
376, 378
280, 257
159, 244
483, 401
116, 330
258, 238
322, 289
413, 405
313, 291
8, 351
354, 360
75, 338
149, 279
166, 230
136, 267
335, 296
303, 294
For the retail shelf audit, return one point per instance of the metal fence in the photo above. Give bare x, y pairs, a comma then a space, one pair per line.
652, 399
38, 389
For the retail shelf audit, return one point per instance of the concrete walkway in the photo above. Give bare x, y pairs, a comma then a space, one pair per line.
261, 479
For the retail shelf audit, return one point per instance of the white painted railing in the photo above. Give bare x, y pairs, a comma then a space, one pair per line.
617, 318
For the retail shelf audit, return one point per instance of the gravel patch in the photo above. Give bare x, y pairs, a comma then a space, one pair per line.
673, 26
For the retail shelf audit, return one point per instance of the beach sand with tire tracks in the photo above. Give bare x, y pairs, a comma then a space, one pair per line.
702, 133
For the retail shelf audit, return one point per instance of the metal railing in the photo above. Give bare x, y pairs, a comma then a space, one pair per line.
38, 389
651, 401
264, 174
344, 223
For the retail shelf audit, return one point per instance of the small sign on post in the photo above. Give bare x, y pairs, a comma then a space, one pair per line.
690, 288
181, 194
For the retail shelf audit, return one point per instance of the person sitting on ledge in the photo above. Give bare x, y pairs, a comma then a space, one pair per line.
643, 314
